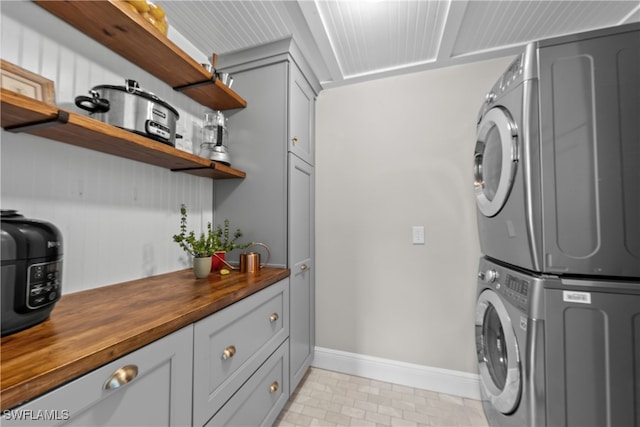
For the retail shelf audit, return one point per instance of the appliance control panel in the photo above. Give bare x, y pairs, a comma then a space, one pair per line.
509, 78
43, 284
516, 289
512, 287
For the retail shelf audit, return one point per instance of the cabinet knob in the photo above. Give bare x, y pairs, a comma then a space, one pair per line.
294, 140
304, 267
228, 352
273, 317
121, 377
274, 387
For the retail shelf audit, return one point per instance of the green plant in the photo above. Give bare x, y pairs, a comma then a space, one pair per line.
222, 240
206, 244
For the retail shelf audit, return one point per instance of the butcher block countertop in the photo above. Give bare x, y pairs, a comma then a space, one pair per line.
91, 328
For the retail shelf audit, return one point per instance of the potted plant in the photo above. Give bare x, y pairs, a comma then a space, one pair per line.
208, 247
223, 242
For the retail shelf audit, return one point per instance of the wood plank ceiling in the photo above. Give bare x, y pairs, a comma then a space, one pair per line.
348, 41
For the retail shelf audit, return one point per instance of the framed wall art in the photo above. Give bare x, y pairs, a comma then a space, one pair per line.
25, 82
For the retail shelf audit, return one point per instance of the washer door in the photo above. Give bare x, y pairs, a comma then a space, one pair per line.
495, 160
498, 354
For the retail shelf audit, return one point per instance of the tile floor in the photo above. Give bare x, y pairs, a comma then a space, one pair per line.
326, 398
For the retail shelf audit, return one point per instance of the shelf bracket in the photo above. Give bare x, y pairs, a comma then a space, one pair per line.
191, 169
61, 118
182, 88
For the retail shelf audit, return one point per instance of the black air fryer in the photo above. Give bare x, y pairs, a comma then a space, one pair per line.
31, 271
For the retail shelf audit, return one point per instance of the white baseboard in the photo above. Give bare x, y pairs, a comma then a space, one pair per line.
447, 381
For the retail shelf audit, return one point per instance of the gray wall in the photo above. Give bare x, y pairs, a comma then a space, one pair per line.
390, 154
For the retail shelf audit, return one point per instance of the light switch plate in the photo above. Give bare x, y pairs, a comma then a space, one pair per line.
418, 234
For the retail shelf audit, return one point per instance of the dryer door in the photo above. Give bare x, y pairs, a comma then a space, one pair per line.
495, 160
498, 354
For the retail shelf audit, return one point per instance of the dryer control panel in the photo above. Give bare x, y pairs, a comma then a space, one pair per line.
512, 76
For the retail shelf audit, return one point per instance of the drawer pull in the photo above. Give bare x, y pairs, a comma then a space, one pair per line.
304, 267
274, 387
228, 352
121, 377
273, 317
294, 140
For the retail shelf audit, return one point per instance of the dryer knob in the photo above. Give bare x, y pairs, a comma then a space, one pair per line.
491, 276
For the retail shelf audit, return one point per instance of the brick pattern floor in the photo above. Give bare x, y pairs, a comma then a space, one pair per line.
327, 398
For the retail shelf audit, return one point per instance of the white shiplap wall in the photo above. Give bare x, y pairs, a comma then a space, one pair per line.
117, 216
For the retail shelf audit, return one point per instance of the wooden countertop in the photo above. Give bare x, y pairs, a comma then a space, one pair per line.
91, 328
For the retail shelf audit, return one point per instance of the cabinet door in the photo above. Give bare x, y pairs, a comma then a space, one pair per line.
301, 115
301, 263
158, 395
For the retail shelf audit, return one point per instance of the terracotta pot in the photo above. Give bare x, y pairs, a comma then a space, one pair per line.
202, 267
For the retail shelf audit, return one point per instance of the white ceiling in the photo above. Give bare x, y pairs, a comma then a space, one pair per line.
347, 41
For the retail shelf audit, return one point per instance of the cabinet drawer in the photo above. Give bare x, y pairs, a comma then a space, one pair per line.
262, 397
158, 394
230, 345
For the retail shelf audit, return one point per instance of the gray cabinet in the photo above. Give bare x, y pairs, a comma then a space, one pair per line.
301, 116
301, 263
231, 345
230, 368
259, 401
273, 141
154, 389
257, 141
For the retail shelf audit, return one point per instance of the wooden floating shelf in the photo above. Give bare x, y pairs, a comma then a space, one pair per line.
23, 114
125, 32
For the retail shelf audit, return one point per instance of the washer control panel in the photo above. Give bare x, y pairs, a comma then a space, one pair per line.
510, 286
516, 289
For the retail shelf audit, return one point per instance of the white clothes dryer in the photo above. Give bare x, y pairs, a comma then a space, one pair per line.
557, 157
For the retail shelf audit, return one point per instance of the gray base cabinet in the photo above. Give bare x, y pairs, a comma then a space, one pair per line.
231, 368
260, 400
230, 346
159, 394
273, 141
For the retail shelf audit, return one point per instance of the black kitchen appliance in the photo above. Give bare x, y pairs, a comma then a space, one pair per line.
31, 271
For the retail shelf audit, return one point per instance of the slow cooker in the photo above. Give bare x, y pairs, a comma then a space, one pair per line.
131, 108
31, 271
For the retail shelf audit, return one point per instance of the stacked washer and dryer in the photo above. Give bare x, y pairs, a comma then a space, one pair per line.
557, 181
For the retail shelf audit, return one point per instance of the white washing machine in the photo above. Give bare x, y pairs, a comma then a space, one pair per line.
557, 157
557, 351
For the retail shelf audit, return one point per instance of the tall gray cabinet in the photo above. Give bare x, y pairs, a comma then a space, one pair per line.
273, 141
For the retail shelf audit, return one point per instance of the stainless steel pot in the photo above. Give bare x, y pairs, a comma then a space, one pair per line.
131, 108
